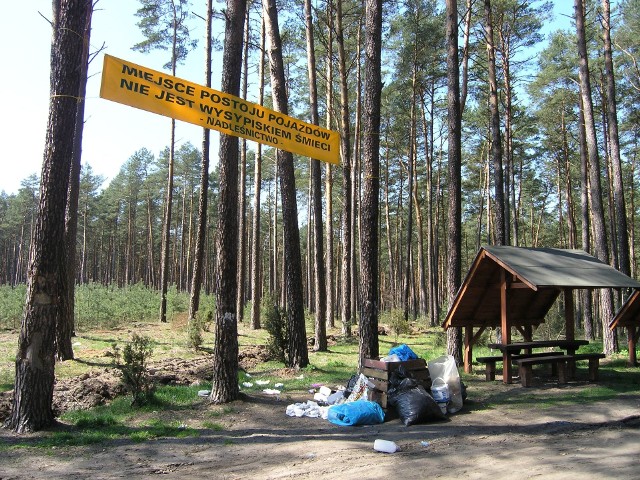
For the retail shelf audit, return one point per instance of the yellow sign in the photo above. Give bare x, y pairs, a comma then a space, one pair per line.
157, 92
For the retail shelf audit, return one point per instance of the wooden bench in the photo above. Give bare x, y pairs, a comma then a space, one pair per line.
559, 361
490, 362
490, 366
594, 363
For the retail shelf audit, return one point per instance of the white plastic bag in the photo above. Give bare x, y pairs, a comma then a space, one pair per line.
444, 369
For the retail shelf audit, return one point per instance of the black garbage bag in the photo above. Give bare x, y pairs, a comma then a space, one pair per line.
411, 401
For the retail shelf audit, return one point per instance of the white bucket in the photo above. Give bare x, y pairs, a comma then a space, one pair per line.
385, 446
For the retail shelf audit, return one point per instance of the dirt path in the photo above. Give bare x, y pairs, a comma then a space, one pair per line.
586, 441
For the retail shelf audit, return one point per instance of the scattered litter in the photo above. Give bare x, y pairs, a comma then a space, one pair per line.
322, 395
300, 377
204, 393
326, 391
247, 384
77, 344
271, 391
262, 382
248, 375
361, 389
279, 385
385, 446
307, 409
337, 397
424, 443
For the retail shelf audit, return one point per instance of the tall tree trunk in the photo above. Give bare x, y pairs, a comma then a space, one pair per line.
345, 144
585, 295
225, 351
31, 408
166, 235
496, 142
410, 179
387, 220
316, 180
431, 280
454, 178
256, 280
330, 308
465, 53
356, 182
597, 211
66, 329
614, 145
368, 330
242, 182
511, 227
298, 356
203, 202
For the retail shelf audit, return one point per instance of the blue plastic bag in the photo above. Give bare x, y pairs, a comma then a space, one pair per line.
403, 352
362, 412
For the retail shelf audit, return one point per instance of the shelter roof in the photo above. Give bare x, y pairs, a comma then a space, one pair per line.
535, 277
629, 313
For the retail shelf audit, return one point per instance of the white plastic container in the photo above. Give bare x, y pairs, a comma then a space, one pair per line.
440, 391
385, 446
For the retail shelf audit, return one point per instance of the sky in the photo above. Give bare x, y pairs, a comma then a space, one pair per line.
113, 132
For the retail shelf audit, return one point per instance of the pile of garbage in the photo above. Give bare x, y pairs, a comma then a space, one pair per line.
354, 403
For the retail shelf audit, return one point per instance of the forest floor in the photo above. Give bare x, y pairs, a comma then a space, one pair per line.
526, 434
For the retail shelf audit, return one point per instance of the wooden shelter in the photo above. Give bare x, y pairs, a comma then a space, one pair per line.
629, 317
515, 287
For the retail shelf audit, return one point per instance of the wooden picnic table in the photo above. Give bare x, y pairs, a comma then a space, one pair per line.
514, 348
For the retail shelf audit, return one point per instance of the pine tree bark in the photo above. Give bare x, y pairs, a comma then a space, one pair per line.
320, 343
345, 146
242, 182
454, 227
203, 201
330, 307
368, 330
256, 277
298, 356
225, 353
66, 329
31, 407
496, 141
595, 197
624, 261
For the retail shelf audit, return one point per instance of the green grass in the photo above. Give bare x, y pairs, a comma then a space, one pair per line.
178, 411
120, 421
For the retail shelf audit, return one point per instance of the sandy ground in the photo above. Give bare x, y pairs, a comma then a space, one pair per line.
518, 441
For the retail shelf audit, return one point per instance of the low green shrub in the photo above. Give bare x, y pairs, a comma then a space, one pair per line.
275, 323
132, 363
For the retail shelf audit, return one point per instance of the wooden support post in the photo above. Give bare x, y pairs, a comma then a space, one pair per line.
506, 329
632, 339
569, 317
468, 348
562, 372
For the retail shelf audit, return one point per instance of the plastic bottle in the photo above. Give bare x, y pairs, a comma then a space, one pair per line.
385, 446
